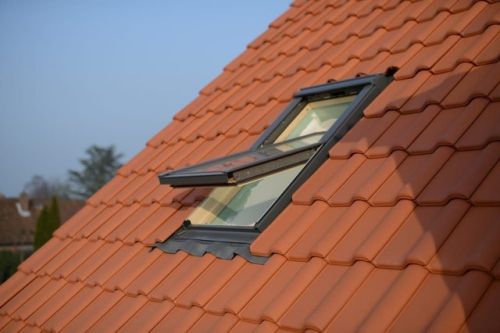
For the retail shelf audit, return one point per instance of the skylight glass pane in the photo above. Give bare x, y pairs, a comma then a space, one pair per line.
243, 205
315, 117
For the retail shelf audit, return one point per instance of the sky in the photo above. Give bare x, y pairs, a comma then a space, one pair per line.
77, 73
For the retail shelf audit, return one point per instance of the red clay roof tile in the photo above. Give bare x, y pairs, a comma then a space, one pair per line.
119, 314
485, 129
453, 181
148, 316
473, 244
434, 307
48, 301
485, 314
178, 320
396, 231
448, 127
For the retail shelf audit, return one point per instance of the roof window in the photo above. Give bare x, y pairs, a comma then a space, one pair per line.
251, 188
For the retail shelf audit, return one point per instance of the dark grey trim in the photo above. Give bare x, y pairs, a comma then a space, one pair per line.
265, 160
222, 250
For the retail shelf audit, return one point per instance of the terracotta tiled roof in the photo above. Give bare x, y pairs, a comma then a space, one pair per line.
397, 231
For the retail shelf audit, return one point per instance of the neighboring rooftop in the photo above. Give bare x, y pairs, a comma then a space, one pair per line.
18, 219
397, 231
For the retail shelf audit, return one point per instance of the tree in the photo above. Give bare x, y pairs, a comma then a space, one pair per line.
41, 189
99, 167
48, 221
8, 264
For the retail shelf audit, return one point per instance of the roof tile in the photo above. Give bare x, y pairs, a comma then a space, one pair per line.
147, 317
12, 286
395, 231
455, 23
151, 276
435, 89
402, 89
218, 273
363, 183
485, 129
279, 237
447, 127
434, 305
119, 314
378, 300
363, 135
214, 323
93, 261
488, 16
466, 50
488, 193
330, 290
484, 317
180, 278
178, 320
19, 299
132, 269
326, 231
370, 233
478, 82
426, 58
317, 188
91, 312
272, 301
44, 304
72, 308
113, 264
452, 182
473, 244
243, 286
421, 234
411, 177
402, 132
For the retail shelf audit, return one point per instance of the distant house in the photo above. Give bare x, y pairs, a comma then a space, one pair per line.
18, 220
367, 202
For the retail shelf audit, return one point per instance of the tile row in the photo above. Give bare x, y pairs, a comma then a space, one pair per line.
432, 178
285, 63
450, 239
448, 89
373, 136
467, 127
349, 299
310, 32
337, 47
390, 15
428, 179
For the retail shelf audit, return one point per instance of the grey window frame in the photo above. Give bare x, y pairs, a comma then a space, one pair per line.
201, 238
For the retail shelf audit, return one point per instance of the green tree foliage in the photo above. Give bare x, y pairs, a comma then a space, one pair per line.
98, 168
47, 223
8, 264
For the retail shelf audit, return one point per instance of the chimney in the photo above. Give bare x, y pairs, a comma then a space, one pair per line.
24, 201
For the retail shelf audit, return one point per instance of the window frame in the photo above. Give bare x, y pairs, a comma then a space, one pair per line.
367, 87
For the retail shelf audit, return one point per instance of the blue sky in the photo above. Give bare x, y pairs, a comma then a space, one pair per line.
77, 73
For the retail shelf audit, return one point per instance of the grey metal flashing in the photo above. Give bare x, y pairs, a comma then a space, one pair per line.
222, 250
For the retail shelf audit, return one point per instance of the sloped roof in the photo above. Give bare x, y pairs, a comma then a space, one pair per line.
397, 231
